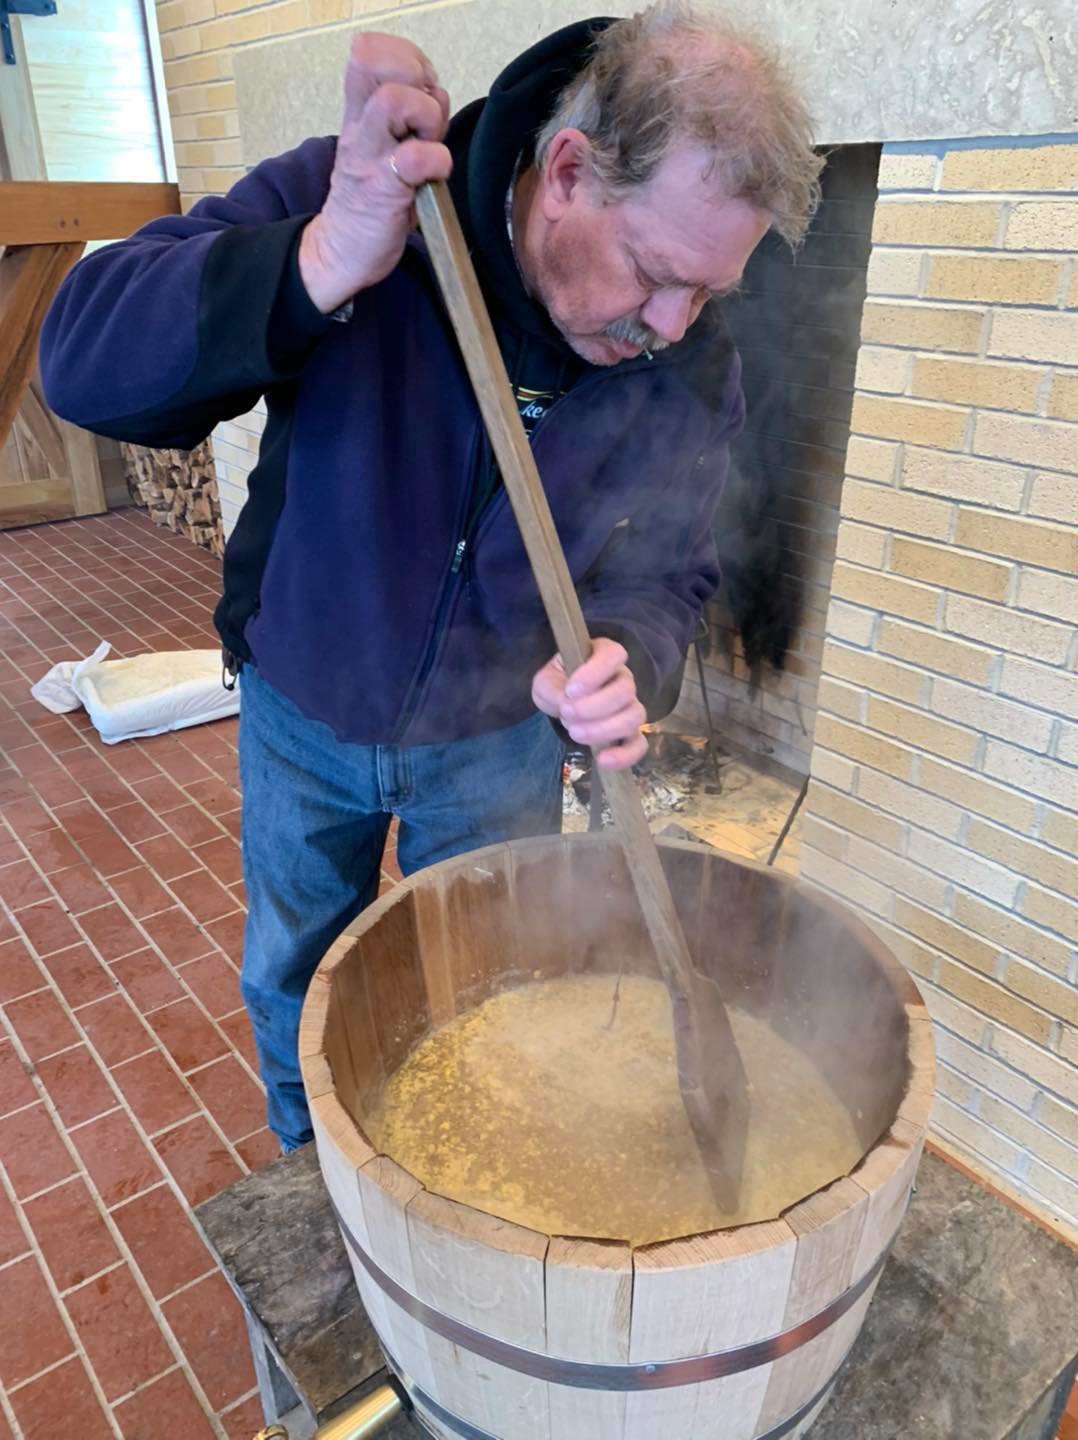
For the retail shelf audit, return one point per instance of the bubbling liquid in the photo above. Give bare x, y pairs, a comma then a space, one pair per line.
534, 1108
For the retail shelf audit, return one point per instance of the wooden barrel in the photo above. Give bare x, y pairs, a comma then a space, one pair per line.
499, 1331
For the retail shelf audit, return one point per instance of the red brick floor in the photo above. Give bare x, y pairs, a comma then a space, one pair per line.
127, 1083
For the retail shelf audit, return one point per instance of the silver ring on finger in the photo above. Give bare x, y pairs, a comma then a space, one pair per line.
393, 166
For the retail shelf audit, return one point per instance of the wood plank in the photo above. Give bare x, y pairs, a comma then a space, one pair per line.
30, 276
828, 1227
589, 1296
489, 1274
43, 427
36, 502
84, 470
386, 1190
24, 154
40, 213
698, 1295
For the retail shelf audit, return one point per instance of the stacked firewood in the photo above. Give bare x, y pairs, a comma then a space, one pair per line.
179, 488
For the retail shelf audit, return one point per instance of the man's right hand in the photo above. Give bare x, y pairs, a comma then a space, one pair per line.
394, 109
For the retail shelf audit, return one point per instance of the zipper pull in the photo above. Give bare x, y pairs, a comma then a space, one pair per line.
458, 557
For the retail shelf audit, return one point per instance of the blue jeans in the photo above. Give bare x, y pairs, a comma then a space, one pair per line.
316, 812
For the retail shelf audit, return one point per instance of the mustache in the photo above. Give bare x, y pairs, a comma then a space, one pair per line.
632, 331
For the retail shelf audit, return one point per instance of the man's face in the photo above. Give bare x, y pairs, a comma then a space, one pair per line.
620, 276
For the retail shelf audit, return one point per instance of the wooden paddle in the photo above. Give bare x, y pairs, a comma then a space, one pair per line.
710, 1071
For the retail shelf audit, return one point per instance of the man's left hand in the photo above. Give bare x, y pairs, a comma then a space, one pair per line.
597, 704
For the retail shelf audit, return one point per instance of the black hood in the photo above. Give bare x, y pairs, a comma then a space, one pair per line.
487, 138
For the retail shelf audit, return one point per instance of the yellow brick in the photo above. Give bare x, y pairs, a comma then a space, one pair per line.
948, 858
185, 127
994, 279
882, 369
180, 42
910, 802
1063, 401
1060, 1193
915, 957
883, 592
984, 482
195, 99
1035, 773
236, 30
1063, 1119
1042, 167
873, 672
894, 510
229, 7
849, 814
847, 622
1058, 997
935, 652
1055, 497
964, 382
946, 937
991, 714
1043, 225
288, 18
941, 565
871, 459
1050, 547
897, 873
907, 171
862, 544
1044, 335
1011, 630
1032, 1137
1072, 293
894, 272
198, 69
994, 1001
325, 12
1026, 857
170, 16
833, 770
1051, 911
953, 1016
920, 326
839, 699
1006, 930
951, 1085
984, 1069
1050, 443
856, 889
195, 153
939, 426
923, 732
214, 127
957, 224
973, 793
1061, 831
858, 745
1049, 594
819, 836
1037, 1064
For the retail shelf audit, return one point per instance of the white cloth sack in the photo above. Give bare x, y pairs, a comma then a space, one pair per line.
145, 695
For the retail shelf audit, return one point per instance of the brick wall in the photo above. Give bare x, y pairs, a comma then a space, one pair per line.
796, 324
944, 800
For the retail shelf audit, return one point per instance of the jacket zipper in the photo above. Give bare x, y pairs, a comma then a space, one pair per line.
475, 517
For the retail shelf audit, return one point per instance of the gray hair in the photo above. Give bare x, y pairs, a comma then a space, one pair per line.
674, 74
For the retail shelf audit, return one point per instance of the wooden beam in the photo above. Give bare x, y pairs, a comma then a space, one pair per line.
43, 428
36, 503
52, 212
30, 276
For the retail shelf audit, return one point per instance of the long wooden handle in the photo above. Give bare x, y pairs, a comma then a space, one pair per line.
468, 312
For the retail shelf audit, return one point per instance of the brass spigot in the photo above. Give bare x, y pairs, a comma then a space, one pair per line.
362, 1422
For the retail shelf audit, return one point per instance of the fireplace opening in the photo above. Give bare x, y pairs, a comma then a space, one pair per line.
797, 324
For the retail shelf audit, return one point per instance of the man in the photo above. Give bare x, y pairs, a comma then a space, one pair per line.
377, 597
